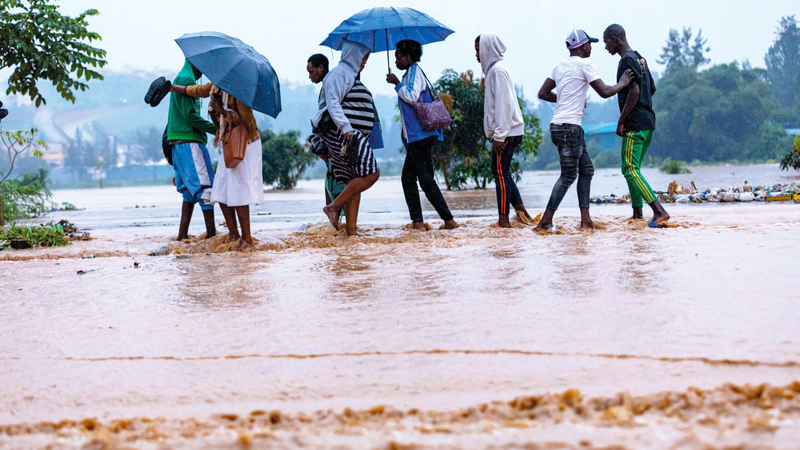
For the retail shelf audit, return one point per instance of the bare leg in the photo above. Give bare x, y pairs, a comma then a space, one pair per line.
660, 214
586, 221
419, 226
244, 219
354, 187
637, 213
230, 222
208, 217
547, 220
503, 221
351, 215
521, 208
186, 219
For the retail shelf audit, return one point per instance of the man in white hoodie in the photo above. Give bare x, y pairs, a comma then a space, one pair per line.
502, 123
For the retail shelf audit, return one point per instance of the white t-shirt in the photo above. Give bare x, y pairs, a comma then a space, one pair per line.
572, 77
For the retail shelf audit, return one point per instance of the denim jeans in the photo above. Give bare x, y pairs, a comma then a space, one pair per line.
507, 192
575, 164
419, 166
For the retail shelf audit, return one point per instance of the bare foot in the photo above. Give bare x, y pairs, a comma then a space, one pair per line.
211, 234
637, 213
587, 225
503, 222
333, 216
353, 233
243, 245
419, 226
450, 224
233, 237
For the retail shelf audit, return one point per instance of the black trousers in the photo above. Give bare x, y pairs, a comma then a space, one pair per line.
419, 166
575, 164
507, 192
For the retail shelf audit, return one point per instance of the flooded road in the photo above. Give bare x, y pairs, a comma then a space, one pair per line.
681, 337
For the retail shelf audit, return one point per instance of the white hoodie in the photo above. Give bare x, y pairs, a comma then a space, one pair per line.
502, 117
338, 82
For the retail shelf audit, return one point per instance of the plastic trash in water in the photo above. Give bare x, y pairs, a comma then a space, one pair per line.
92, 256
160, 252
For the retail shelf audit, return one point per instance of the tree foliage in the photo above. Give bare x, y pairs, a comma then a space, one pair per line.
720, 114
42, 44
681, 51
783, 63
465, 154
16, 143
284, 158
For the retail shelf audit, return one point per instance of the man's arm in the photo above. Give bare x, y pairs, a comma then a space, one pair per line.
630, 102
546, 91
605, 91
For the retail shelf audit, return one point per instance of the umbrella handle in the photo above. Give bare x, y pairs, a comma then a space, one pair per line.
388, 65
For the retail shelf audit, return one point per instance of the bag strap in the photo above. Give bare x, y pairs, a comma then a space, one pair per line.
430, 86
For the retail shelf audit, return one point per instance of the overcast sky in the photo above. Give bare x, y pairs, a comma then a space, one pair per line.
140, 34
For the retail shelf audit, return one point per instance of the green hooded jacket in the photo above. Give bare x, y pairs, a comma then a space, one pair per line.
184, 121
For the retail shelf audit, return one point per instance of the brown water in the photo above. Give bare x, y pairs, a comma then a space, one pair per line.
471, 338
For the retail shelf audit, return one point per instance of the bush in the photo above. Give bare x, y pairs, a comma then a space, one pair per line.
675, 167
47, 235
27, 196
792, 159
284, 158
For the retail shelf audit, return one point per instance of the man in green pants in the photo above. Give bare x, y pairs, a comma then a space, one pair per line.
636, 124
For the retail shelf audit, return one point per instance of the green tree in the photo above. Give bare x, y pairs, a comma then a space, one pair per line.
720, 114
284, 158
42, 44
465, 154
681, 51
16, 143
783, 63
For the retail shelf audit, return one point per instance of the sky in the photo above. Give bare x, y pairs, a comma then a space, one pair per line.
139, 35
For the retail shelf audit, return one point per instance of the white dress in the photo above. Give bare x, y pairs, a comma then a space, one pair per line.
242, 185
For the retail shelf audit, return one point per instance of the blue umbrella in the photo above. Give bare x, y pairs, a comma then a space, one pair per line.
381, 28
234, 67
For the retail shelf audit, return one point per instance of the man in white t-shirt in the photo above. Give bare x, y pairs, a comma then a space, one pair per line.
571, 78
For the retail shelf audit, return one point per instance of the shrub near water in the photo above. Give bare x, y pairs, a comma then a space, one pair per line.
675, 167
47, 235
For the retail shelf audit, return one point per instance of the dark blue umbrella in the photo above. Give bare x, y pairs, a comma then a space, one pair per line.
381, 28
234, 67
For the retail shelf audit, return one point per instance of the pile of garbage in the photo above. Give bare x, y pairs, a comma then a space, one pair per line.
690, 194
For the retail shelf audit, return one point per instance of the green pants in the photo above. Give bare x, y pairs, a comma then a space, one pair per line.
634, 147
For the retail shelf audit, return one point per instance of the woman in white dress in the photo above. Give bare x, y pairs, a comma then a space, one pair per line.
235, 189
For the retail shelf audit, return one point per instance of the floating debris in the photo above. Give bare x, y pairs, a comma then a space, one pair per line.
690, 194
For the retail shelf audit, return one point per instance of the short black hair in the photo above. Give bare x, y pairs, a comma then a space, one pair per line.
478, 39
410, 48
616, 31
319, 59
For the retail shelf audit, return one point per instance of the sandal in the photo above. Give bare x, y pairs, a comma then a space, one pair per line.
159, 89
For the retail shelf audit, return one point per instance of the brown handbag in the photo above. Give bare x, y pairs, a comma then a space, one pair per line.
234, 144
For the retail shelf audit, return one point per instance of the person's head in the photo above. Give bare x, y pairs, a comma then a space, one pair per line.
406, 53
317, 67
363, 62
478, 48
580, 44
614, 38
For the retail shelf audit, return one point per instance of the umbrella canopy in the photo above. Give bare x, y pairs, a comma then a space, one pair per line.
234, 67
381, 28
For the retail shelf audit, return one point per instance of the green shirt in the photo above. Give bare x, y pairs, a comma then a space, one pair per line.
184, 121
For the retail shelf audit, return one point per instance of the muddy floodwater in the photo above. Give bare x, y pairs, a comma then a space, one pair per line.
625, 337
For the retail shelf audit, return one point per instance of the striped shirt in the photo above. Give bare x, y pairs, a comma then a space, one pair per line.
359, 109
